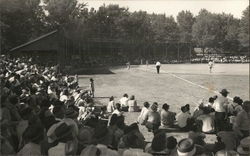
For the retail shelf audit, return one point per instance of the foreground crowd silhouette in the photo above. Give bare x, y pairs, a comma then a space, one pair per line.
46, 113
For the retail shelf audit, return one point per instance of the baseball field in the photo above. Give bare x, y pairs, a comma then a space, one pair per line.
177, 85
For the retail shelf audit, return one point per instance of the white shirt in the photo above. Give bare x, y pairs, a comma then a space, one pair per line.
143, 114
58, 150
124, 101
158, 63
220, 103
110, 107
182, 119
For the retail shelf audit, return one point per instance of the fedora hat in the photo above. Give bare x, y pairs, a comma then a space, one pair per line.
57, 131
224, 91
186, 147
244, 147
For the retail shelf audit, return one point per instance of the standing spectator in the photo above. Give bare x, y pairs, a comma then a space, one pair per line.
132, 104
111, 105
92, 87
143, 113
242, 121
220, 107
124, 103
167, 117
153, 118
158, 66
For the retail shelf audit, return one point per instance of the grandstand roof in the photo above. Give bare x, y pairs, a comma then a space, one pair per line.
33, 41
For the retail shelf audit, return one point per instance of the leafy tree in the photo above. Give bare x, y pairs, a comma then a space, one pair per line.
185, 20
244, 29
22, 20
204, 30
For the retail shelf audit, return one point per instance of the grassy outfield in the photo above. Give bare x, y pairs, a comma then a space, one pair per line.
176, 85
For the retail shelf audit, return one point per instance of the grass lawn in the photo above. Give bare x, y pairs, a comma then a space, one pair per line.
177, 85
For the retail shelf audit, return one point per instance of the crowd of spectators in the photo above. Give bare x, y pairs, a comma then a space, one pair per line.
221, 59
44, 112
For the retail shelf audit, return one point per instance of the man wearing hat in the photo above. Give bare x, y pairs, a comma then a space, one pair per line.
186, 147
220, 107
244, 148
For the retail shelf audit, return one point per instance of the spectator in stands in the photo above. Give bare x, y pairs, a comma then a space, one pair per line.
220, 107
243, 148
132, 104
32, 137
117, 110
153, 118
111, 105
124, 103
167, 117
242, 124
162, 145
189, 148
143, 113
61, 133
207, 121
235, 107
184, 119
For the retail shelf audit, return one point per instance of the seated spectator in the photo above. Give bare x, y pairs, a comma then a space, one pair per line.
111, 105
124, 103
235, 107
153, 118
244, 148
198, 110
184, 119
103, 139
143, 113
132, 104
229, 138
117, 110
207, 121
162, 145
131, 129
167, 117
61, 133
210, 102
242, 124
134, 149
186, 147
32, 137
197, 137
85, 138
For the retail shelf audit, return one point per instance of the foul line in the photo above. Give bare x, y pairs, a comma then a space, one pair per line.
190, 82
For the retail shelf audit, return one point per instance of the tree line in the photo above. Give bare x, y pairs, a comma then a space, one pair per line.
24, 20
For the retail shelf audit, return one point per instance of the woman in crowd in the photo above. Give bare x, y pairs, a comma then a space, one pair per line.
132, 104
143, 113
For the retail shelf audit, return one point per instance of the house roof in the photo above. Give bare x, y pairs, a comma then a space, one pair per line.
33, 41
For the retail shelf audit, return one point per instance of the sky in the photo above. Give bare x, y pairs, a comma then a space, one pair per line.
172, 7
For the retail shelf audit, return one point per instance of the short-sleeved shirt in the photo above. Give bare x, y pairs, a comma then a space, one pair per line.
182, 119
220, 104
167, 118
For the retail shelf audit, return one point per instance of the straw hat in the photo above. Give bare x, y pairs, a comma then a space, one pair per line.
186, 147
244, 147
